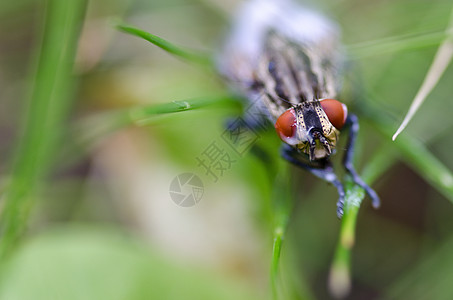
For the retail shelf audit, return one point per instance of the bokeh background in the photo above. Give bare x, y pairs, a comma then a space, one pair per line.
101, 223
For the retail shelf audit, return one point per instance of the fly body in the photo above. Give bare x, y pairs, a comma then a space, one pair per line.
290, 59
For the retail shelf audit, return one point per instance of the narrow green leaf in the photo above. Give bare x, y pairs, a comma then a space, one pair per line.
395, 44
141, 115
50, 97
89, 130
283, 203
190, 55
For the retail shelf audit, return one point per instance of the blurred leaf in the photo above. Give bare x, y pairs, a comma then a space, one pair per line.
382, 160
394, 44
430, 278
416, 155
50, 98
282, 199
82, 262
8, 8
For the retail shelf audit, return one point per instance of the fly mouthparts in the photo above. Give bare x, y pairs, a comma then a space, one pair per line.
328, 149
326, 144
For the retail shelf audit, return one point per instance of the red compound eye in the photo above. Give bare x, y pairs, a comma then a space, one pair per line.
286, 125
335, 111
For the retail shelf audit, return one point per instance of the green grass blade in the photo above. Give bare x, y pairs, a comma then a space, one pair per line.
395, 44
382, 160
441, 61
141, 115
189, 55
89, 130
279, 232
283, 203
47, 108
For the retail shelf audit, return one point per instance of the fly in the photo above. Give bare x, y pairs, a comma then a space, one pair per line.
289, 58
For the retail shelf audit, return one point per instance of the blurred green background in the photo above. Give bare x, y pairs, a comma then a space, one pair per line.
85, 172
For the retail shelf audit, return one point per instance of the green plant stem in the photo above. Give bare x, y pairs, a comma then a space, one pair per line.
340, 271
189, 55
339, 279
50, 97
283, 203
279, 232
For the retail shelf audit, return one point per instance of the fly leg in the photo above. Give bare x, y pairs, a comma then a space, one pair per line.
323, 171
353, 122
